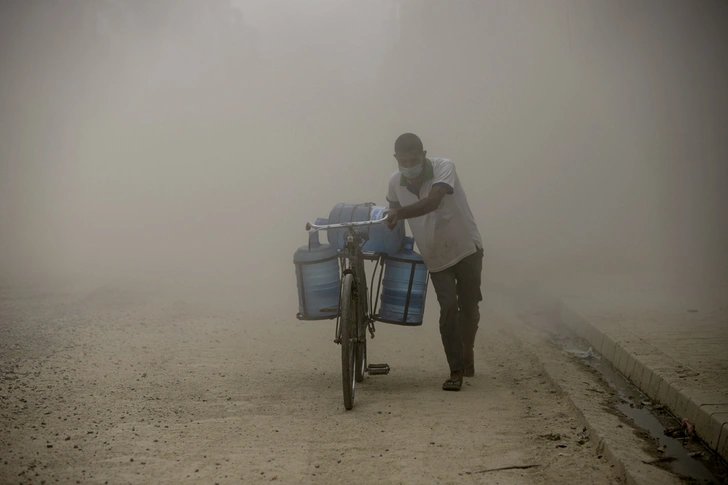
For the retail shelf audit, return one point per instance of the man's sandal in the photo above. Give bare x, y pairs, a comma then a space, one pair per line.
452, 384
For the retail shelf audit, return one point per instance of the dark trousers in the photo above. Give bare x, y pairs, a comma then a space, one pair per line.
458, 292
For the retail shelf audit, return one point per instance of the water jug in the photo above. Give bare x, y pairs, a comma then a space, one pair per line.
381, 238
317, 278
404, 287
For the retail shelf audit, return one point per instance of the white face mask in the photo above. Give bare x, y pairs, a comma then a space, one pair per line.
411, 173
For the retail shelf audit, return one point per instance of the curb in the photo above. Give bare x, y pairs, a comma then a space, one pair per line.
656, 375
620, 447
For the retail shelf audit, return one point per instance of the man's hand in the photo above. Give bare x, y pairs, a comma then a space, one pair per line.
418, 209
392, 218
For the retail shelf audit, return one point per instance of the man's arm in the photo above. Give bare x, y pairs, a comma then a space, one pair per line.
424, 206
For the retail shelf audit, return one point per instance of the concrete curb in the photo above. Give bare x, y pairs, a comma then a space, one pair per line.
620, 447
655, 374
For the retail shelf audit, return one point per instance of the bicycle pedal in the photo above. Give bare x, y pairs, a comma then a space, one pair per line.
378, 369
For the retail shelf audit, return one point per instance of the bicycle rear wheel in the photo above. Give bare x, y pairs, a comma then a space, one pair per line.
348, 337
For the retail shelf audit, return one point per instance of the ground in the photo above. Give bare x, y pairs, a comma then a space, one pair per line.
111, 386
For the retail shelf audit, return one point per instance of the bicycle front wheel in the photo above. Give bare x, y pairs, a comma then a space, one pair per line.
348, 337
361, 345
361, 324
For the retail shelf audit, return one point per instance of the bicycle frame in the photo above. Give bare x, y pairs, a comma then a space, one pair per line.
352, 261
354, 316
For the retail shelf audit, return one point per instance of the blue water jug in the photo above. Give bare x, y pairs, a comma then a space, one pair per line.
404, 287
317, 278
381, 238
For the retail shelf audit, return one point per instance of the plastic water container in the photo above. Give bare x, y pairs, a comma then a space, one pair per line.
381, 238
317, 278
404, 287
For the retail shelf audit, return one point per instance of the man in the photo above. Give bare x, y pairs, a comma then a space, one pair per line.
427, 192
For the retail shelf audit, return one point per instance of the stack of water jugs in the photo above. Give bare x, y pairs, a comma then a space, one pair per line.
405, 277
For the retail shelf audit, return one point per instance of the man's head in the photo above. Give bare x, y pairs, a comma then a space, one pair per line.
410, 155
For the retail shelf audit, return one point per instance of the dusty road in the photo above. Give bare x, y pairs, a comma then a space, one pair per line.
114, 387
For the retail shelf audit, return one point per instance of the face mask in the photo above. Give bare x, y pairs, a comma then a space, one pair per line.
411, 173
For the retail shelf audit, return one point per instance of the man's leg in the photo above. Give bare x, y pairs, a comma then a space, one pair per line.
446, 290
468, 274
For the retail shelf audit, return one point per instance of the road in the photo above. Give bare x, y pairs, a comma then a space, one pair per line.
111, 386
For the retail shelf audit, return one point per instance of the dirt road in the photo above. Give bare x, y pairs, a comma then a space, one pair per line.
114, 387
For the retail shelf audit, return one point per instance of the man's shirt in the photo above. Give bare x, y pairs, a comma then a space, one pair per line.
448, 234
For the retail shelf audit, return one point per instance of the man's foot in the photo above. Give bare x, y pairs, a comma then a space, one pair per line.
469, 370
454, 383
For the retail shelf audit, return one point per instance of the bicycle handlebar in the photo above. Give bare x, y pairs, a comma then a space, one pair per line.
343, 225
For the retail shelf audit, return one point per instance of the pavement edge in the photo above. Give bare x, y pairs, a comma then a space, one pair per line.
630, 461
655, 375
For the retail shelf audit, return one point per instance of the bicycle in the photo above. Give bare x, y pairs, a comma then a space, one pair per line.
354, 313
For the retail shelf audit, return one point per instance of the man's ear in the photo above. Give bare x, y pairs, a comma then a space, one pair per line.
424, 153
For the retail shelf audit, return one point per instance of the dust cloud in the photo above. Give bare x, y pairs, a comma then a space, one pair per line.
184, 144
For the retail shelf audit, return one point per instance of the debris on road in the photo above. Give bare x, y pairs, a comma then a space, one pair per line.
665, 459
551, 436
689, 427
516, 467
685, 430
583, 437
589, 354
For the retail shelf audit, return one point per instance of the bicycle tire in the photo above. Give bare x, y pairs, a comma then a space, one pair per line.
348, 336
361, 348
361, 325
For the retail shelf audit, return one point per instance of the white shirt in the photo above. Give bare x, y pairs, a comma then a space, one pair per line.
449, 233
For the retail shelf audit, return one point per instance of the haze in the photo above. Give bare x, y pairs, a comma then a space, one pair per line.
141, 145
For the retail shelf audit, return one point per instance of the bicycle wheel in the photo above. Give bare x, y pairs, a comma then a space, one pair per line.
362, 306
348, 335
361, 345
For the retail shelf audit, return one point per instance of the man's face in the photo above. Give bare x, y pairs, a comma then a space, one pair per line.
410, 159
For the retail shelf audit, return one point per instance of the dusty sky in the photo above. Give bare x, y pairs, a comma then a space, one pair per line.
589, 136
